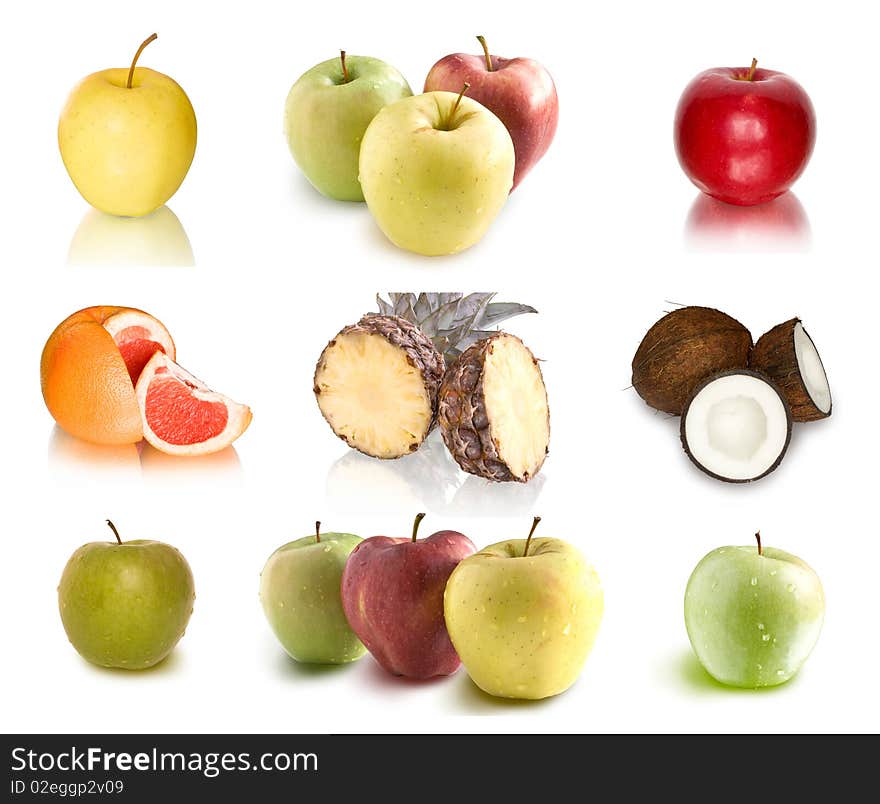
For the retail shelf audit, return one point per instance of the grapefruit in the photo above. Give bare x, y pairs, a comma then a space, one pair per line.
180, 415
89, 368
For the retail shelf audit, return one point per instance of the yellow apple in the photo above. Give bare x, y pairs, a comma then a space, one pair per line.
523, 615
436, 170
127, 137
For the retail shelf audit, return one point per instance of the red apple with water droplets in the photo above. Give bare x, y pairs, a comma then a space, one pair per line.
392, 595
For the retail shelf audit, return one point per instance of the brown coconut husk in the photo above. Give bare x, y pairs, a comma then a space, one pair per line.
774, 355
684, 348
788, 416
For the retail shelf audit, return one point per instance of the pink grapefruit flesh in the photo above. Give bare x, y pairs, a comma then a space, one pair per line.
181, 415
136, 350
138, 336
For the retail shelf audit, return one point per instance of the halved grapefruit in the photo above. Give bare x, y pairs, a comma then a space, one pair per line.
180, 415
89, 367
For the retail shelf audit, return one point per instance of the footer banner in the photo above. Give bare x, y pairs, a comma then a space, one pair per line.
415, 768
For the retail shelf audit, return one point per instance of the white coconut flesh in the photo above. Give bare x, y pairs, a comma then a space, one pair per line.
736, 427
372, 395
516, 405
811, 369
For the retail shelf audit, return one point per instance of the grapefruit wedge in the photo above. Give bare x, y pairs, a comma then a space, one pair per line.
180, 415
90, 365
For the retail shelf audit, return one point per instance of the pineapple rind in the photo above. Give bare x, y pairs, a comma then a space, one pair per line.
500, 432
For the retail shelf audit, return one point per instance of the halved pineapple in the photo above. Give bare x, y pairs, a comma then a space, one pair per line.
493, 410
376, 384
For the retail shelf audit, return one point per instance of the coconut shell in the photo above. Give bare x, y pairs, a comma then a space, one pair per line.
774, 354
788, 416
684, 348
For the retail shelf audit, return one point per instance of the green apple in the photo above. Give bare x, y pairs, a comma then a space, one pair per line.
523, 615
436, 170
127, 137
125, 604
300, 593
753, 615
327, 112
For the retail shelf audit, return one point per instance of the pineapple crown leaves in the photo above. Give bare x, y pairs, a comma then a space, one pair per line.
453, 321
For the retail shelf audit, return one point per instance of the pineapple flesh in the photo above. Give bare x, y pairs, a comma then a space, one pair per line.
377, 383
493, 410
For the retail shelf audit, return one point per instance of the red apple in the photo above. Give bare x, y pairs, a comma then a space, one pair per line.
518, 91
392, 595
744, 135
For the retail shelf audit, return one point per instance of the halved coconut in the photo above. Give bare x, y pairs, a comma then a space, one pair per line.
682, 349
789, 357
736, 426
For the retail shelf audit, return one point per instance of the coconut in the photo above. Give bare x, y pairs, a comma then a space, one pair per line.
682, 349
736, 426
789, 357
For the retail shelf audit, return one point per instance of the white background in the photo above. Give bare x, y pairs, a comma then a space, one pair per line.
595, 238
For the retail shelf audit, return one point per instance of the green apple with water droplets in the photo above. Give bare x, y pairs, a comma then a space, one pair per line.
300, 592
753, 614
126, 604
523, 615
326, 114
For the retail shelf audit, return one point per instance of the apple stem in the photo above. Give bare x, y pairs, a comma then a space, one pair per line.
464, 89
345, 78
151, 38
531, 532
751, 75
419, 518
115, 532
482, 41
317, 532
758, 539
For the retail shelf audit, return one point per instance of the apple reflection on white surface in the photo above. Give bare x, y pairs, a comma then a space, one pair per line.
778, 225
428, 478
157, 239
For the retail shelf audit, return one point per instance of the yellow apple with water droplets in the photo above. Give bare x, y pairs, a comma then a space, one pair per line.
523, 616
436, 169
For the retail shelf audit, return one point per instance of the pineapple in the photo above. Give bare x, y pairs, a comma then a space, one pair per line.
493, 410
376, 384
452, 321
